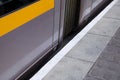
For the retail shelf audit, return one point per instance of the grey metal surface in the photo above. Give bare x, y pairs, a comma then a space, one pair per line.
62, 15
108, 64
21, 47
96, 3
57, 13
89, 7
85, 9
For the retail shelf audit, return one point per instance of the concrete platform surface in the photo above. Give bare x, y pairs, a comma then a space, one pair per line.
107, 66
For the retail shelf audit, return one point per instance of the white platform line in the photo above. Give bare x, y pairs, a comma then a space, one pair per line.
45, 69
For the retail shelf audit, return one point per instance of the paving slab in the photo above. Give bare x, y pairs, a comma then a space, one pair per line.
89, 48
106, 27
114, 13
117, 35
106, 68
111, 54
107, 65
115, 42
69, 69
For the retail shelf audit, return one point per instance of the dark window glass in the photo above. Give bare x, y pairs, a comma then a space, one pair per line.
7, 6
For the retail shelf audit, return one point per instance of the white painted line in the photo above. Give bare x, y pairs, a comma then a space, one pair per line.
45, 69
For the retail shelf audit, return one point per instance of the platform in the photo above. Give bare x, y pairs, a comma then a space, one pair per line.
90, 58
107, 65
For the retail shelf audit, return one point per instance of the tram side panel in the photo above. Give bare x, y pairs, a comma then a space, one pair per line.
21, 47
97, 4
89, 8
85, 10
57, 17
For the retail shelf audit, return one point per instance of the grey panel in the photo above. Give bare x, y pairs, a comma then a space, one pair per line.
62, 15
21, 47
85, 9
96, 3
56, 21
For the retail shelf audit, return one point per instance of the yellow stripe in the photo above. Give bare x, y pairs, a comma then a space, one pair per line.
20, 17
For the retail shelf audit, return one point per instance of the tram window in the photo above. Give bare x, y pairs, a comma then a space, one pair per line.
7, 6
